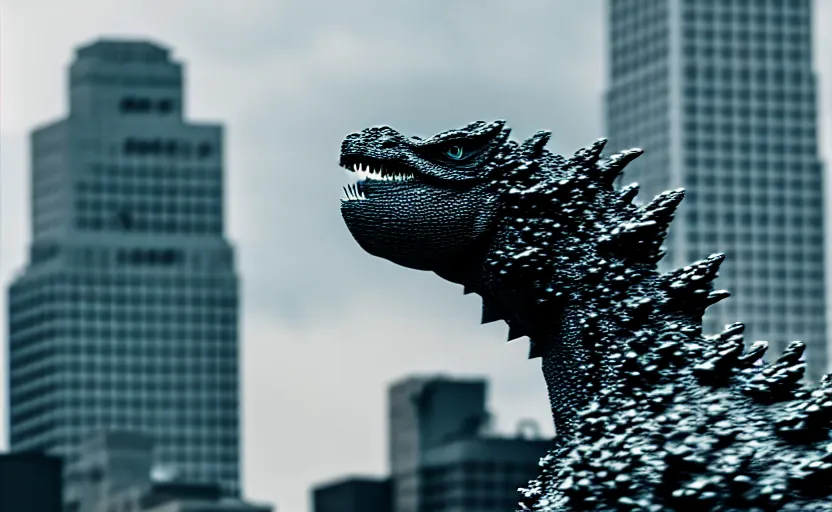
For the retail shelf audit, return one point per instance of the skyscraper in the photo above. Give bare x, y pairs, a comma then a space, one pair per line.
722, 96
126, 314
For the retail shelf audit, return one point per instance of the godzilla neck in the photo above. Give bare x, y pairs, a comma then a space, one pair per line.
565, 371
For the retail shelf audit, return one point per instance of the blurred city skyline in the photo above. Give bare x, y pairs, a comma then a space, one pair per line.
325, 327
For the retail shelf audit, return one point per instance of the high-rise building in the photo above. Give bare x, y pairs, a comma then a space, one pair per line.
426, 412
126, 314
30, 482
721, 95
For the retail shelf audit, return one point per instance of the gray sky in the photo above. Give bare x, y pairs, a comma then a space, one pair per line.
325, 326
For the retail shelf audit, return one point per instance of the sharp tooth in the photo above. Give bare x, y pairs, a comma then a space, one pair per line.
361, 174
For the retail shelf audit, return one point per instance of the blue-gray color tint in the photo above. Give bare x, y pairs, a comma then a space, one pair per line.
126, 316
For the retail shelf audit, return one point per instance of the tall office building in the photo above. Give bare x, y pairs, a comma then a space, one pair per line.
125, 316
427, 412
722, 97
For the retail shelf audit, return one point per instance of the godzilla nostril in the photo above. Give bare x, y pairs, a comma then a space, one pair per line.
386, 142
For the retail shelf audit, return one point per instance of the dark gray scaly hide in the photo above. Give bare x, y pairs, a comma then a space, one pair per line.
650, 414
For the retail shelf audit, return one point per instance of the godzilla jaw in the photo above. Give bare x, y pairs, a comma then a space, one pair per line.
365, 175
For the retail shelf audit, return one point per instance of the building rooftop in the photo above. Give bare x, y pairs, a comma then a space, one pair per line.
488, 449
352, 480
438, 377
122, 50
30, 455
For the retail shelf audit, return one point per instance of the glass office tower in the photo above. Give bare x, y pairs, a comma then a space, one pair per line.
126, 315
721, 95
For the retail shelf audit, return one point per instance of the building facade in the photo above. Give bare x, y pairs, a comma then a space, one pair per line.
104, 465
479, 475
353, 494
117, 471
443, 455
126, 315
30, 482
721, 95
424, 412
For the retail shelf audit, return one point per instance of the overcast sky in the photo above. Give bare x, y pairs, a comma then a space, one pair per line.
325, 326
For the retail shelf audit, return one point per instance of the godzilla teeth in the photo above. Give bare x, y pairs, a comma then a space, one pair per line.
365, 172
353, 192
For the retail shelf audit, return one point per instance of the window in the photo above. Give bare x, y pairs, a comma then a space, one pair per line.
136, 105
164, 106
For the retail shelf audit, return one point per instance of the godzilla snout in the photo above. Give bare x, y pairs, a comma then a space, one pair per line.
372, 142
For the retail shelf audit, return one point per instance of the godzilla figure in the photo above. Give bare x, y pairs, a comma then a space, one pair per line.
650, 414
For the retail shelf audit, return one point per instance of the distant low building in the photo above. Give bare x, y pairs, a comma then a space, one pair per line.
178, 497
105, 464
444, 455
354, 494
480, 474
30, 482
114, 471
425, 412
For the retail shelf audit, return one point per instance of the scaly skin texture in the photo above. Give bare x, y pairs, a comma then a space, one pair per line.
649, 413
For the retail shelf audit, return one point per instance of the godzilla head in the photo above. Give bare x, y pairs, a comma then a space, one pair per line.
423, 203
497, 216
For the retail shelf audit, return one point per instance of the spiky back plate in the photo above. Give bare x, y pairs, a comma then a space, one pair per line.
679, 421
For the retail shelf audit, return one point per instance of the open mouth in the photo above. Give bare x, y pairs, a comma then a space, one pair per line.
361, 172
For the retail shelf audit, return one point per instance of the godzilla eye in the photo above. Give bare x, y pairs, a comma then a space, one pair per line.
455, 152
